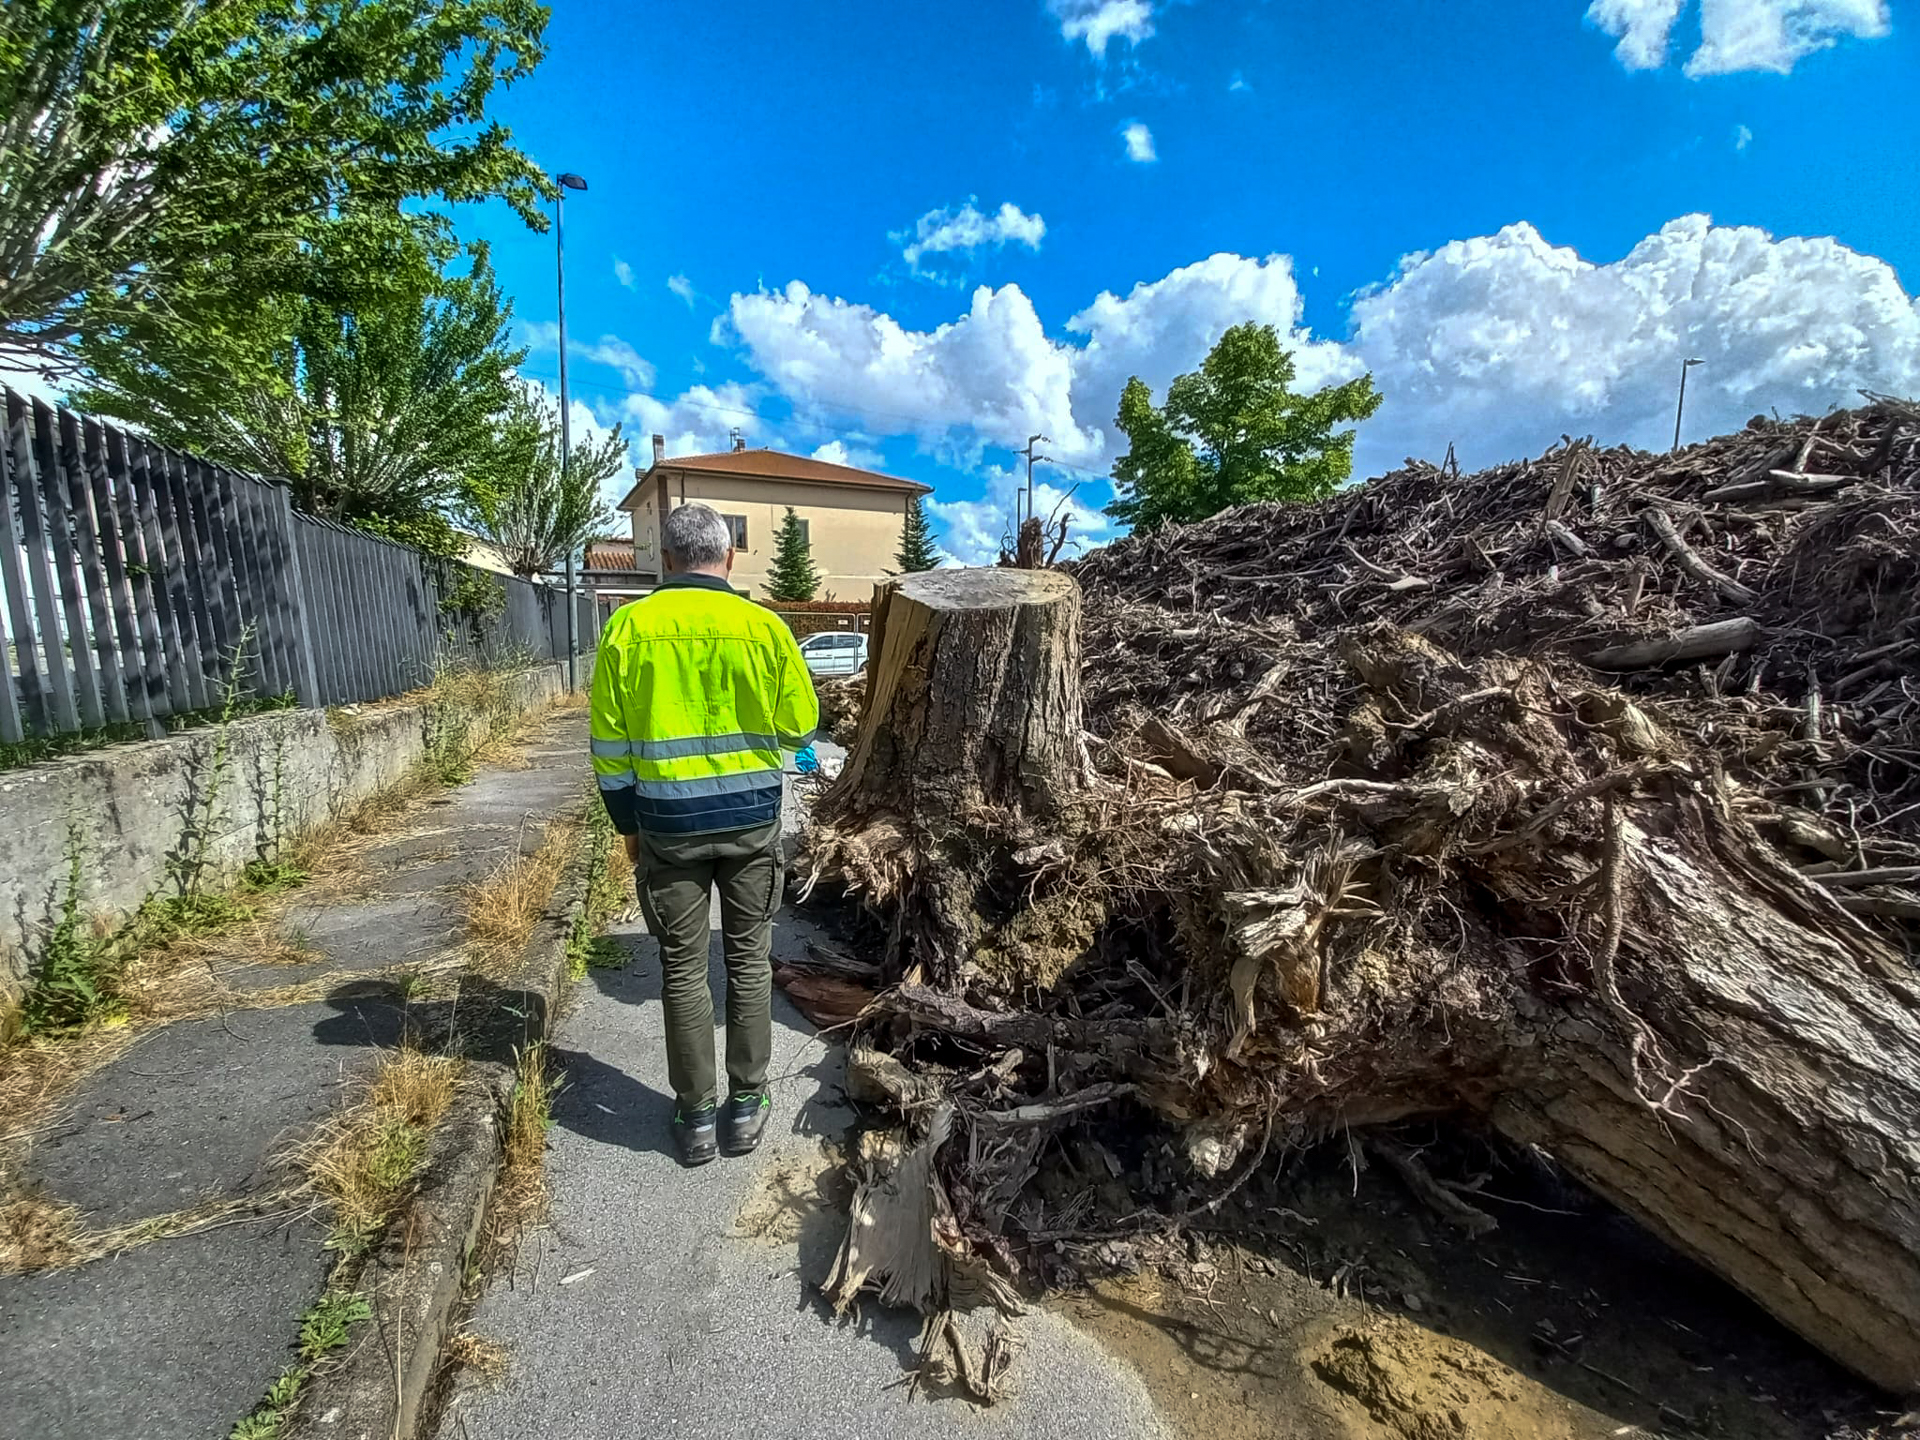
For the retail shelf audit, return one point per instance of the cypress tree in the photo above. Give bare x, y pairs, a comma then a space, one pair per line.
793, 576
917, 550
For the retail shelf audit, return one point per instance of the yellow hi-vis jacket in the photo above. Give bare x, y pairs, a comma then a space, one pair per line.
696, 691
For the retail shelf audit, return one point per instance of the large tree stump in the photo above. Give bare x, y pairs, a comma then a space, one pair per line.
969, 742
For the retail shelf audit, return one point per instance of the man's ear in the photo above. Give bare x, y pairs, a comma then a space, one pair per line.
729, 559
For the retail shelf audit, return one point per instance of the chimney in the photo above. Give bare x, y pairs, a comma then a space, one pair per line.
659, 448
739, 439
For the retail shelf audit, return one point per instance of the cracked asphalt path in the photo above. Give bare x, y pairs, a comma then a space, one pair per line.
662, 1301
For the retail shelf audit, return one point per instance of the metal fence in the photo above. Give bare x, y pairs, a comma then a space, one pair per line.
136, 577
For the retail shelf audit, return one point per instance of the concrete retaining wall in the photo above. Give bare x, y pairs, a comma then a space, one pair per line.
133, 802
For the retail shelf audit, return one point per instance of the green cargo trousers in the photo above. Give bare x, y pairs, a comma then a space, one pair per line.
677, 874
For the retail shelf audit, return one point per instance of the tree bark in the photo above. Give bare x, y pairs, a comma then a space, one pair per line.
973, 698
1766, 1120
969, 741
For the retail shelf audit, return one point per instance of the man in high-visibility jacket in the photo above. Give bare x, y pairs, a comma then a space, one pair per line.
696, 693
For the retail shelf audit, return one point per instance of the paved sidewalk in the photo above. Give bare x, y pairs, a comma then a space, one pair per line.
663, 1301
177, 1339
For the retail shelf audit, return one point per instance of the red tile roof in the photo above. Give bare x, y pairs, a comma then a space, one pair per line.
766, 464
610, 555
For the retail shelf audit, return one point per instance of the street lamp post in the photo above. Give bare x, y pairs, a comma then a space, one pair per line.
564, 183
1018, 519
1681, 408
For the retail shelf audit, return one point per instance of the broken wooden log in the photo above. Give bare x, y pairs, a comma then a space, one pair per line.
1698, 642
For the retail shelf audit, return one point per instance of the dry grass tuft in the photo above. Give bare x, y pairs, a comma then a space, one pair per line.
365, 1161
505, 906
36, 1071
522, 1194
486, 1358
37, 1234
416, 1086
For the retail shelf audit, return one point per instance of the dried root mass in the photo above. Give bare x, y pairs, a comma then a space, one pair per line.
1581, 795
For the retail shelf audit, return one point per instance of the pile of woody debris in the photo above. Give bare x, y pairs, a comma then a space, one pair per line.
1580, 796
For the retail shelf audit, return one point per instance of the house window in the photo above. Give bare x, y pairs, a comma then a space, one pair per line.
737, 528
806, 532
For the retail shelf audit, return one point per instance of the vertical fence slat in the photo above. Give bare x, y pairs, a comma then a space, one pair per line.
30, 711
248, 578
16, 708
385, 620
314, 577
63, 551
292, 572
272, 614
186, 690
418, 618
332, 554
61, 712
195, 619
133, 501
85, 532
213, 570
313, 610
109, 524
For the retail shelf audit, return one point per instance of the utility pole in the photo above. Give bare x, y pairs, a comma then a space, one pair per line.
1018, 518
566, 182
1681, 408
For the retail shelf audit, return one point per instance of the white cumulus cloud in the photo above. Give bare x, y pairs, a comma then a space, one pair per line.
1098, 22
544, 335
1503, 342
1742, 137
1498, 344
839, 452
682, 287
1737, 35
966, 229
623, 272
1139, 142
993, 375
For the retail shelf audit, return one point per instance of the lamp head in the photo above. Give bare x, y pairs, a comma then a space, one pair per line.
571, 181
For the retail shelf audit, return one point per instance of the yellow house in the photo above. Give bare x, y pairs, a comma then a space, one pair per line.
852, 516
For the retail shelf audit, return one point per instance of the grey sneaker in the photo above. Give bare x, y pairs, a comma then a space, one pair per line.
747, 1114
696, 1134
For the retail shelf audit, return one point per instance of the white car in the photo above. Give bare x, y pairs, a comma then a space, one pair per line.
834, 653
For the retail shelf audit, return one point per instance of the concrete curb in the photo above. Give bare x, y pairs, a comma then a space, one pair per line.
416, 1281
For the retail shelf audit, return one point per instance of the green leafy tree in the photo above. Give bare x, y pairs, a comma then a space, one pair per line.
390, 415
1234, 432
917, 550
793, 576
535, 512
162, 160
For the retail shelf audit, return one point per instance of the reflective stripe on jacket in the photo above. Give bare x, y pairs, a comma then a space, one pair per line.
696, 691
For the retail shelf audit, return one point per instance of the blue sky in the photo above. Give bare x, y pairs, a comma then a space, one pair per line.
914, 235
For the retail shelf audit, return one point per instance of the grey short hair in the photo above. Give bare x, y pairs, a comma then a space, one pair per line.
695, 537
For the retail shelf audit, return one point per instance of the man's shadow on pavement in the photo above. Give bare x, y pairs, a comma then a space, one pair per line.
601, 1102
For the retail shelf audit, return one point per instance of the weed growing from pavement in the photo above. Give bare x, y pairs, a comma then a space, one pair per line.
75, 983
366, 1160
270, 870
275, 1409
504, 906
529, 1115
323, 1329
609, 891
